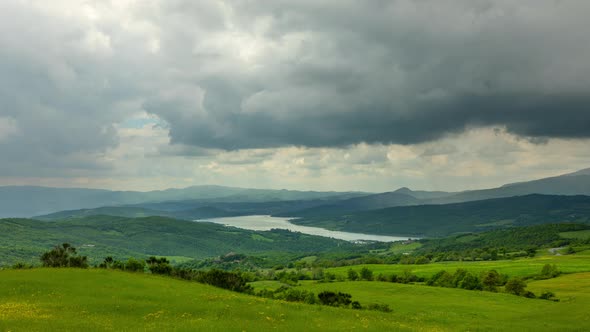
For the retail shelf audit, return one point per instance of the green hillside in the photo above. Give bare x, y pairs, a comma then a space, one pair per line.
101, 300
464, 310
447, 219
99, 236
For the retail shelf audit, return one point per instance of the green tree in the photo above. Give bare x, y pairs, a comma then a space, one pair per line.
515, 286
63, 256
352, 275
134, 265
159, 265
549, 271
366, 274
490, 280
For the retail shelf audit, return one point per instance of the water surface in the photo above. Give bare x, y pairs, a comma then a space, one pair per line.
266, 223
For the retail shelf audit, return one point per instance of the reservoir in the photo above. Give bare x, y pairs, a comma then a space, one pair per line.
266, 223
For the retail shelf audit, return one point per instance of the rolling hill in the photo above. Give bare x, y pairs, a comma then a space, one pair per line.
100, 236
447, 219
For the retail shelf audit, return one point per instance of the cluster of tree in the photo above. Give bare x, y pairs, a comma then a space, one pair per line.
487, 280
491, 281
329, 298
160, 265
132, 264
63, 255
504, 241
366, 274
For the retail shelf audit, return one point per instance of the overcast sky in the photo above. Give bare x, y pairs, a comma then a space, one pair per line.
323, 95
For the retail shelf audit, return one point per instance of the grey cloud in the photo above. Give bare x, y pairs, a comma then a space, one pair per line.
261, 74
393, 72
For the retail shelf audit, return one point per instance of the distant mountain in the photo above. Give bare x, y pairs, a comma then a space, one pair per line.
580, 172
420, 194
34, 201
191, 209
27, 201
447, 219
577, 183
369, 202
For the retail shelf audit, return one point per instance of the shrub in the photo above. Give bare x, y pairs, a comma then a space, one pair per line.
548, 296
379, 307
515, 286
352, 275
334, 299
549, 271
223, 279
159, 265
490, 280
134, 265
366, 274
21, 266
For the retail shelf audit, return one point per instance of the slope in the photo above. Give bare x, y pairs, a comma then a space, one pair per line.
101, 300
99, 236
447, 219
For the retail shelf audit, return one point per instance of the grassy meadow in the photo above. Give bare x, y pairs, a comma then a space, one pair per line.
106, 300
103, 300
523, 267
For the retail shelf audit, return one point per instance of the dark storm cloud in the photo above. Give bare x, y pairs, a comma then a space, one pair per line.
392, 72
260, 74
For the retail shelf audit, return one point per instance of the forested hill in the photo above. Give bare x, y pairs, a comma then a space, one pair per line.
100, 236
447, 219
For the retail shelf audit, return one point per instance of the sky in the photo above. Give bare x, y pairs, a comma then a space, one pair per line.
367, 95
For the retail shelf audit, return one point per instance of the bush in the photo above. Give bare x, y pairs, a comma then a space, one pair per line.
159, 265
549, 271
366, 274
548, 296
134, 265
223, 279
352, 275
490, 280
295, 295
470, 282
515, 286
21, 266
335, 299
442, 279
379, 307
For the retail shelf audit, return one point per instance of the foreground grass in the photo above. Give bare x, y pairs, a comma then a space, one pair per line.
75, 300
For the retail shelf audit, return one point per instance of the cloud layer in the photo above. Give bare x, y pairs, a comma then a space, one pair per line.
196, 86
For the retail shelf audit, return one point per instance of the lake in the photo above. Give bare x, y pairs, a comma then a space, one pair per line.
266, 223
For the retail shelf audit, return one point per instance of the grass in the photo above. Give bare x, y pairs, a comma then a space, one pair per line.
101, 300
579, 262
463, 310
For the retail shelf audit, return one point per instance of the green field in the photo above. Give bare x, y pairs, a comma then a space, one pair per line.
579, 262
95, 299
102, 300
452, 309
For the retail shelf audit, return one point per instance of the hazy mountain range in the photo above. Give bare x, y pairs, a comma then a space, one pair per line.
216, 201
